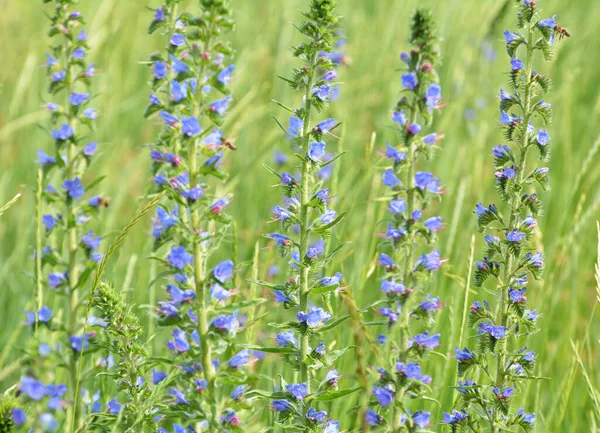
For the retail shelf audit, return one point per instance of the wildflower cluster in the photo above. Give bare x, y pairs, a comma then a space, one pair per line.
66, 247
409, 262
307, 220
509, 258
190, 92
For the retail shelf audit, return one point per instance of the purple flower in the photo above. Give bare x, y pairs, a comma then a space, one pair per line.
326, 125
421, 418
373, 418
91, 242
58, 76
178, 66
509, 37
32, 388
394, 154
169, 118
18, 416
387, 261
286, 339
295, 126
44, 159
399, 117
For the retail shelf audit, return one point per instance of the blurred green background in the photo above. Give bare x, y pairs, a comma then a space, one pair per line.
473, 70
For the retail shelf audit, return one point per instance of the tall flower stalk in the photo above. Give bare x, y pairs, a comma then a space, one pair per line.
66, 248
306, 222
190, 91
408, 260
501, 357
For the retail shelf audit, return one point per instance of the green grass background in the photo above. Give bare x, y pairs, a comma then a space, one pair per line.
377, 31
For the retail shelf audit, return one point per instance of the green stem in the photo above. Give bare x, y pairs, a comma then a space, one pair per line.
304, 207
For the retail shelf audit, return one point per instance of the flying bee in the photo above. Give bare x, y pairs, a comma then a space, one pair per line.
561, 31
227, 143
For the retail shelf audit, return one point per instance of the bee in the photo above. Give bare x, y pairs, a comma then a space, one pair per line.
227, 143
561, 31
104, 201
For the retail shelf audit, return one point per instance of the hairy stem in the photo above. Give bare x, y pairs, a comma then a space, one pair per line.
306, 187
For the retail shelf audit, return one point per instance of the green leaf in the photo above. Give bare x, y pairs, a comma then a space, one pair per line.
329, 396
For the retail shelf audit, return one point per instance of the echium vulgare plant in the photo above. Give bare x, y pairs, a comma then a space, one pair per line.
408, 260
66, 250
306, 222
501, 358
190, 92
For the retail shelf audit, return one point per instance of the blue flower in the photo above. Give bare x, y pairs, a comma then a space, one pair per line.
427, 181
224, 75
32, 388
385, 260
58, 76
159, 14
313, 416
178, 66
456, 417
281, 406
421, 418
286, 339
178, 90
159, 69
464, 355
18, 416
315, 318
322, 92
158, 376
49, 221
240, 359
528, 418
78, 343
48, 422
543, 138
433, 224
298, 391
169, 118
316, 151
177, 39
190, 126
409, 80
63, 133
505, 96
426, 340
399, 117
389, 178
330, 75
331, 281
78, 54
515, 236
394, 154
74, 188
506, 119
91, 242
516, 64
397, 206
509, 37
180, 341
549, 22
220, 106
326, 125
223, 271
383, 396
179, 258
433, 95
295, 126
373, 418
76, 99
431, 261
